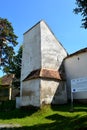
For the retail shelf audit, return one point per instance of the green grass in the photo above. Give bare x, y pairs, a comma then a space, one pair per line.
48, 118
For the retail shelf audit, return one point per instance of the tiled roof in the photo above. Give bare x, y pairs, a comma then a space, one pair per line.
77, 52
44, 73
7, 79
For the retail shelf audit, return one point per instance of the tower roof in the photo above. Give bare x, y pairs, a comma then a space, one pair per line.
44, 73
42, 21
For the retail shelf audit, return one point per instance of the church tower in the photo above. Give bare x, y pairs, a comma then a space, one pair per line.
42, 78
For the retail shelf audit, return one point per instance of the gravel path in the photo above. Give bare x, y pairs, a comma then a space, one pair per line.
8, 125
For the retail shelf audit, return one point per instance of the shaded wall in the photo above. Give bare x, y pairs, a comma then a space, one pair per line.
31, 93
53, 92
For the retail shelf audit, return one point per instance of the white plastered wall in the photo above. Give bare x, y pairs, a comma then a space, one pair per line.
76, 67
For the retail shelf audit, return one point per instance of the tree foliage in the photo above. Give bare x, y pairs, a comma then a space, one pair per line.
82, 8
7, 41
14, 67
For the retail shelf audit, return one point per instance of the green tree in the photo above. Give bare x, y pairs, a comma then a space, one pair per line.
14, 67
82, 8
8, 40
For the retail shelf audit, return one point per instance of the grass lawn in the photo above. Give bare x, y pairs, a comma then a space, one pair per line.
48, 118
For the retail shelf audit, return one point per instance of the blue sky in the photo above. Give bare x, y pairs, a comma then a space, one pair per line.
58, 14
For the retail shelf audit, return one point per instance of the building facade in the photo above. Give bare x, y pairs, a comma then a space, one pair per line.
47, 71
75, 68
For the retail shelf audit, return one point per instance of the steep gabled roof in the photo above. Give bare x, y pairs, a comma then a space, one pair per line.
49, 30
7, 80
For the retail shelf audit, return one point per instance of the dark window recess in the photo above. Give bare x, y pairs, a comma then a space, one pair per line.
78, 58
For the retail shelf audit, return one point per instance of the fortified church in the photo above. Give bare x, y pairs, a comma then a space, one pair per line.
47, 70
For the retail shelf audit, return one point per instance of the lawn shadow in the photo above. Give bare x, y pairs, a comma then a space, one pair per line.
71, 123
8, 110
17, 113
77, 107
